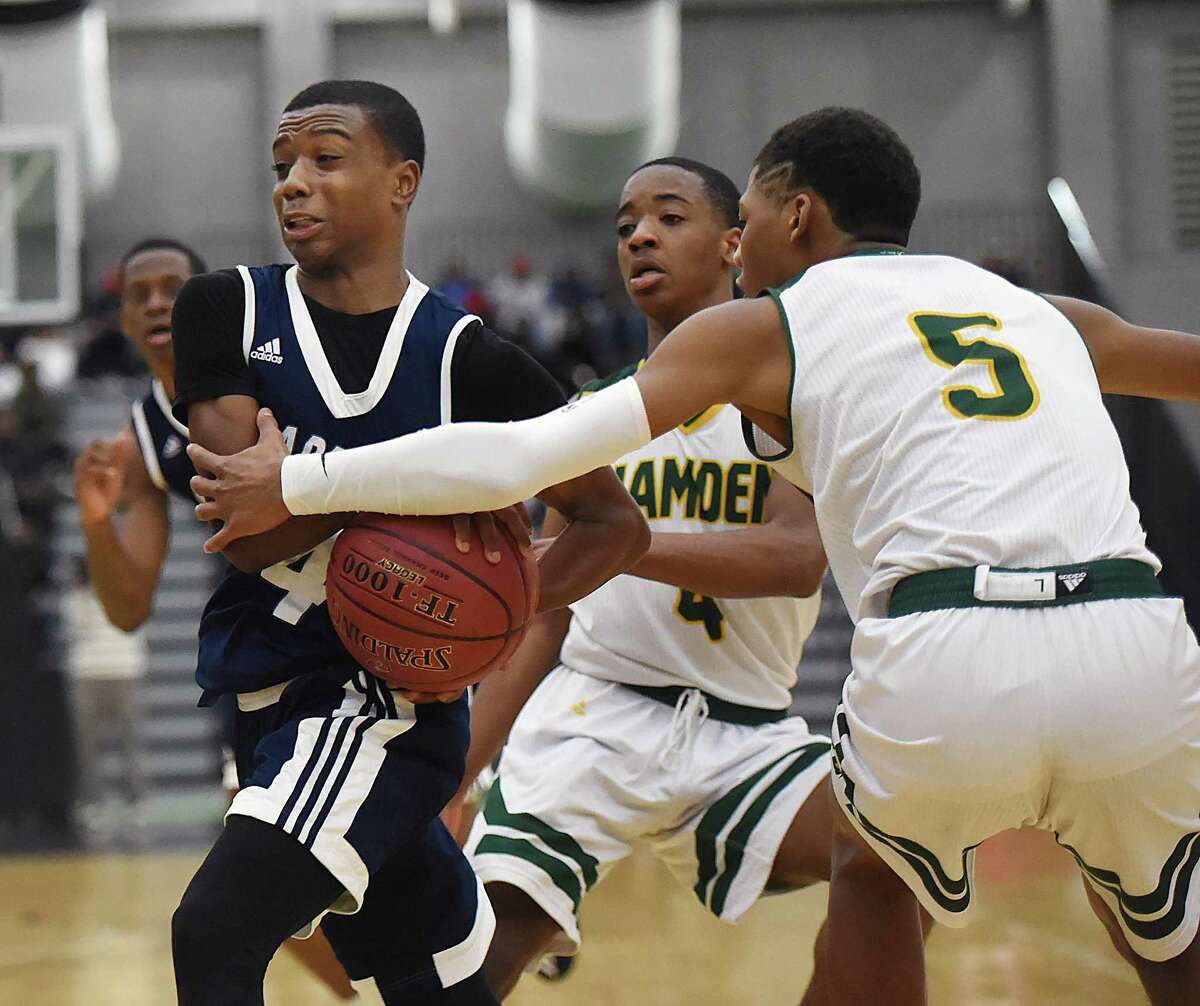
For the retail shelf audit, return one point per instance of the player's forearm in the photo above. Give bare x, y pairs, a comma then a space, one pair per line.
588, 552
755, 562
292, 538
470, 467
501, 696
1157, 363
124, 588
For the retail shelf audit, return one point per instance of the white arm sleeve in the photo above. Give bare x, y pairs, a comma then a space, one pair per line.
470, 467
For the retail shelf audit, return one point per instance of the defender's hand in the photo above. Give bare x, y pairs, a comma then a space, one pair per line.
242, 491
100, 478
515, 518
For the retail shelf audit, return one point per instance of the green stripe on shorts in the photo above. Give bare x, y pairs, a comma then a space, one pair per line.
1167, 902
715, 819
952, 895
496, 812
735, 842
562, 875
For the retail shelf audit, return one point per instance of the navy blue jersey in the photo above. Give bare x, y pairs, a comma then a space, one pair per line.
163, 441
260, 630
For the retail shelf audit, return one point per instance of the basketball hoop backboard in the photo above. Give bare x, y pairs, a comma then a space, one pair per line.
39, 226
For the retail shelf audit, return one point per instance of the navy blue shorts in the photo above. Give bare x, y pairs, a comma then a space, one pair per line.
358, 775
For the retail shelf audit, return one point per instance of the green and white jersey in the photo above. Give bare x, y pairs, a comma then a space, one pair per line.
943, 417
696, 479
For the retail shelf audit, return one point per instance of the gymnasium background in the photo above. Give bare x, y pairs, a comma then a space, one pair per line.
156, 117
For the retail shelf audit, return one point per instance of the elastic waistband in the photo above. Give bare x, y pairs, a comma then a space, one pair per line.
1048, 587
718, 709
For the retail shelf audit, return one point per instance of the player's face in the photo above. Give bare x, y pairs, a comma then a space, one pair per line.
150, 283
672, 249
335, 185
766, 254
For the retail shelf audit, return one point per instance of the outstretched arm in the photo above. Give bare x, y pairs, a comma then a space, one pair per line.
1134, 360
735, 352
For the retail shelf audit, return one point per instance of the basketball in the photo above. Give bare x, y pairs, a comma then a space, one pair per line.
419, 614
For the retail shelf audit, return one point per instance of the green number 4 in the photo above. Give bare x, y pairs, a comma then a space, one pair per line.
703, 609
1013, 395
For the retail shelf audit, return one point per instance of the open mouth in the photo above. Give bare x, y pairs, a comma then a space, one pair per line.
645, 275
159, 335
300, 227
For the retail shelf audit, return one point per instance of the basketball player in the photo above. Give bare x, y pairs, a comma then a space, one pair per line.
342, 778
666, 720
121, 485
1014, 660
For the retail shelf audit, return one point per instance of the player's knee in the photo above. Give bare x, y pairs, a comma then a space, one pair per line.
195, 927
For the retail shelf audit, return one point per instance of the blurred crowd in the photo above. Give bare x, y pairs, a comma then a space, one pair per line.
577, 323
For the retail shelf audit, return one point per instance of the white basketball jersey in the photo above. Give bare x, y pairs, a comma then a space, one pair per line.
943, 417
696, 479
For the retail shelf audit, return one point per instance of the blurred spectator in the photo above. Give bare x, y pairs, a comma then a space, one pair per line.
33, 455
105, 666
520, 298
461, 288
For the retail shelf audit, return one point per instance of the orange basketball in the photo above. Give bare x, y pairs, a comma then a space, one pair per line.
419, 614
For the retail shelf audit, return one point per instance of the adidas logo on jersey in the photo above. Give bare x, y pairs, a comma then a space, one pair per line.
268, 352
1072, 580
172, 447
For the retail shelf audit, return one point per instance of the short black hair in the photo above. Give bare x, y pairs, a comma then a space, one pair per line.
167, 244
720, 189
852, 160
390, 113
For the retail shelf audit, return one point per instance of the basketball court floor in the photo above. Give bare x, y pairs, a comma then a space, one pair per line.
85, 930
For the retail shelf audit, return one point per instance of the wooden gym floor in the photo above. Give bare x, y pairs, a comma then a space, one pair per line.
87, 930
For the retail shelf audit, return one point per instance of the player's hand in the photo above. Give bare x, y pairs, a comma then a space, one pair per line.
100, 478
514, 518
243, 491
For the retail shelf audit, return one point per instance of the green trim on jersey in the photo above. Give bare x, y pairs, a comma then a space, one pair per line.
600, 383
875, 251
747, 425
619, 375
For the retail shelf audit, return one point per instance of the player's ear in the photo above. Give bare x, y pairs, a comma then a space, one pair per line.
731, 241
799, 211
407, 177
